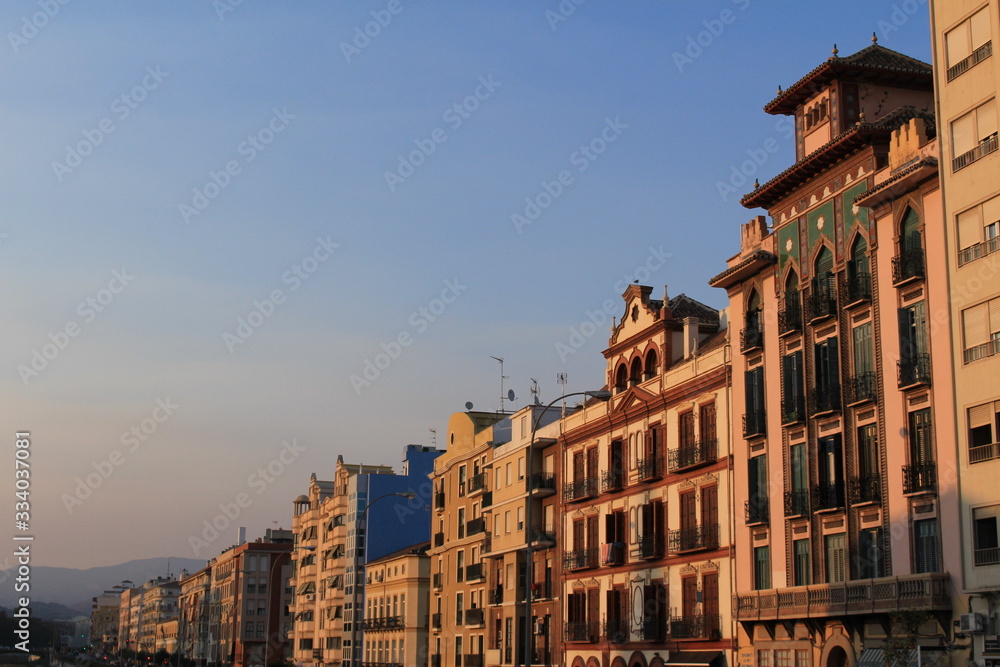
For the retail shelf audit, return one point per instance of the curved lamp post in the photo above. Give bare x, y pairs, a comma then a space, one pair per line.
355, 617
602, 395
267, 618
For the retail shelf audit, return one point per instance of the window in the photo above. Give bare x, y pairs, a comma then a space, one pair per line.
650, 365
823, 300
802, 658
985, 537
635, 376
925, 543
831, 476
981, 330
868, 456
753, 418
798, 502
520, 518
870, 563
621, 378
520, 469
751, 336
921, 443
757, 505
783, 657
802, 568
859, 278
827, 360
974, 135
761, 568
763, 658
836, 558
968, 44
984, 425
914, 360
461, 522
686, 424
793, 394
707, 423
979, 231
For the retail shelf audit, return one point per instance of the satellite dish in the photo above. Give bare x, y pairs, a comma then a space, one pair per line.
468, 405
510, 394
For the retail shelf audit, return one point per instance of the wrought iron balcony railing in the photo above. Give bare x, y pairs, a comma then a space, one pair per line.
793, 409
908, 265
651, 546
754, 424
866, 489
756, 510
821, 303
439, 501
693, 538
616, 630
653, 629
913, 370
696, 627
612, 480
751, 338
857, 287
827, 496
920, 478
580, 559
790, 317
475, 526
477, 483
691, 455
580, 490
581, 631
797, 502
544, 482
824, 398
861, 388
650, 468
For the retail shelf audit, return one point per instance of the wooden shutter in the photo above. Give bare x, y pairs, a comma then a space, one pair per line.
986, 120
707, 423
975, 322
970, 227
689, 595
710, 602
659, 524
688, 519
864, 361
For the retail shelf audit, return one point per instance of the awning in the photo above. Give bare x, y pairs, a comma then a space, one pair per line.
697, 659
875, 657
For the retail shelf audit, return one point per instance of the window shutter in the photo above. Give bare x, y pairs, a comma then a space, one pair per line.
974, 325
991, 211
962, 134
979, 28
957, 44
986, 119
994, 306
981, 415
970, 227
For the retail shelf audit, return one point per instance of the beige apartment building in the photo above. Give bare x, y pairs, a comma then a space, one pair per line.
458, 573
849, 547
646, 494
193, 613
521, 508
159, 607
104, 620
967, 78
397, 598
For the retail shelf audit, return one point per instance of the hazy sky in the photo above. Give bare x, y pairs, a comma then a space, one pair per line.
218, 215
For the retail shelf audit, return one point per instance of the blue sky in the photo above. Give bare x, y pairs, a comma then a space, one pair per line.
287, 123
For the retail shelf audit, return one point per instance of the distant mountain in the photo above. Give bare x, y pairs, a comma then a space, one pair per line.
51, 611
73, 589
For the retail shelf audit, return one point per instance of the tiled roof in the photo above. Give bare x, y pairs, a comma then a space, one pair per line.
683, 306
875, 62
761, 256
418, 549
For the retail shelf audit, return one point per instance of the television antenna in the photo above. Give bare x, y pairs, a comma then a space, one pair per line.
561, 380
535, 392
502, 378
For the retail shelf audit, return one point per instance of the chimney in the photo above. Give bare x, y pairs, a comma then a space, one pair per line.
690, 336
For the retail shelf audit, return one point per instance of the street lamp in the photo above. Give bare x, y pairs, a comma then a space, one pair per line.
267, 617
354, 590
601, 395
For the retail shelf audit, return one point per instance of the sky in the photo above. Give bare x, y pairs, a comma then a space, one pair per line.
241, 238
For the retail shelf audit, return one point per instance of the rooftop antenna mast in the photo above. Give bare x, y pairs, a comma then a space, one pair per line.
561, 379
502, 378
434, 436
535, 392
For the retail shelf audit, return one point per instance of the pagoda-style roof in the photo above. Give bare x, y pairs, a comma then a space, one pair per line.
843, 145
875, 63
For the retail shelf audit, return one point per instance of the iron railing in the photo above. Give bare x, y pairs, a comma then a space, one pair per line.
865, 489
694, 454
919, 478
907, 265
691, 538
797, 502
913, 370
827, 496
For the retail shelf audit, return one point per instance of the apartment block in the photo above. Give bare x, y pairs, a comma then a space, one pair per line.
397, 597
646, 494
104, 620
842, 397
193, 613
966, 79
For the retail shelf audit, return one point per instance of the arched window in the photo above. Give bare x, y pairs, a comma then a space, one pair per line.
650, 364
636, 375
621, 378
910, 261
753, 310
859, 279
823, 301
909, 238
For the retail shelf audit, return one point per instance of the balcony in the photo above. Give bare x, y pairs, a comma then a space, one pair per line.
754, 424
790, 317
543, 537
793, 410
920, 478
827, 497
541, 590
851, 598
580, 490
477, 484
984, 452
751, 338
542, 484
437, 580
612, 480
756, 511
696, 627
797, 503
616, 631
495, 596
649, 468
651, 546
861, 388
694, 538
856, 288
652, 629
913, 371
438, 540
692, 455
475, 572
979, 250
475, 617
383, 624
908, 265
983, 557
821, 303
985, 147
439, 501
475, 526
977, 352
964, 65
580, 559
436, 621
867, 489
824, 399
581, 632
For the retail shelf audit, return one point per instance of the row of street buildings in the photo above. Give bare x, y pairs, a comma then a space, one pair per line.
805, 478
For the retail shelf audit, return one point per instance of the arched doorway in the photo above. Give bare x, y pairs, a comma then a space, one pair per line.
836, 658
